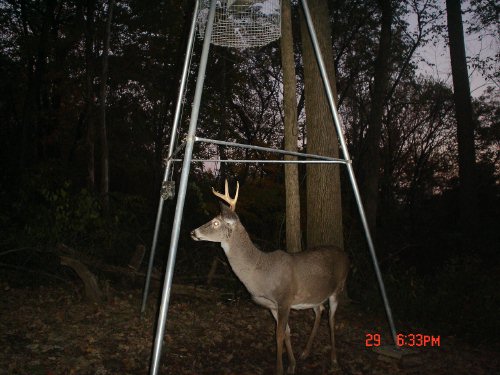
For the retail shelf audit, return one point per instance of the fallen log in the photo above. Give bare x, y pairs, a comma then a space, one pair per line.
92, 291
81, 263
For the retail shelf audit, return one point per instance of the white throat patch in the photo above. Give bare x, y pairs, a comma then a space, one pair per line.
225, 246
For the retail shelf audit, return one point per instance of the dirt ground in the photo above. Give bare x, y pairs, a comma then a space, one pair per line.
52, 330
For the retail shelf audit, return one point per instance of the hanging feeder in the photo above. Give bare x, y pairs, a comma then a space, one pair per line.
242, 23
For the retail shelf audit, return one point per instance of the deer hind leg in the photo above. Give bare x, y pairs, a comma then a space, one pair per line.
331, 315
318, 310
283, 332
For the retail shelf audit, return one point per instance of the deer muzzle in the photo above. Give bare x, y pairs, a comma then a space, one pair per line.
194, 235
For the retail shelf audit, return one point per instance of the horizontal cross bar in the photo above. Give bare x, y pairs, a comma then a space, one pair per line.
267, 149
265, 161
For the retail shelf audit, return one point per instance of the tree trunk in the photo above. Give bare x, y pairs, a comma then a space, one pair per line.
370, 161
89, 93
464, 115
103, 133
293, 233
34, 121
324, 208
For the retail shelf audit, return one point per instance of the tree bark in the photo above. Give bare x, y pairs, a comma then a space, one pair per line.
465, 122
370, 160
103, 131
324, 208
292, 192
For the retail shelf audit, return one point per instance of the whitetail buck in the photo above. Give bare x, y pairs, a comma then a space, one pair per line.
278, 280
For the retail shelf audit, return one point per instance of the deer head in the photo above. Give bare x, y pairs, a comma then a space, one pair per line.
220, 228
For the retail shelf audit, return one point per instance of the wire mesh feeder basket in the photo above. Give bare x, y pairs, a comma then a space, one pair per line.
242, 23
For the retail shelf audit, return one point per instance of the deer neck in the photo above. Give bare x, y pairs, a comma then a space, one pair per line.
242, 254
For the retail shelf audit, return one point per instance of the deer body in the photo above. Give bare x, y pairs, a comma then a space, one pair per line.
278, 280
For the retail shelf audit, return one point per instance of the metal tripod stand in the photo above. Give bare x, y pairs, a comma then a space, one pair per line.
188, 143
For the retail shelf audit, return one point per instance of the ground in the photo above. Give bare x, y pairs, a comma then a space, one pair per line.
51, 330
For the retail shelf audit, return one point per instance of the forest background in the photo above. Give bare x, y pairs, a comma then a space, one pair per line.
84, 131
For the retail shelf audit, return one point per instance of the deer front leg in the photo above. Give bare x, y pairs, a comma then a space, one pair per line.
333, 307
283, 332
317, 311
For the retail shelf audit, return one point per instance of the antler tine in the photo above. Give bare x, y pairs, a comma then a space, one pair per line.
235, 199
226, 197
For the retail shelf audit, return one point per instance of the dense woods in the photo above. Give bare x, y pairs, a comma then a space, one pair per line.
87, 97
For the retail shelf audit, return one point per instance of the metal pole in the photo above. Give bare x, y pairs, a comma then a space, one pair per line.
338, 126
181, 197
176, 151
173, 138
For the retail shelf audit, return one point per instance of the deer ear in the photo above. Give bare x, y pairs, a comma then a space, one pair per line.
224, 208
227, 214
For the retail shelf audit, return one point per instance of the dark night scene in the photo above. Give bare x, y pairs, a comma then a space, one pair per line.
249, 187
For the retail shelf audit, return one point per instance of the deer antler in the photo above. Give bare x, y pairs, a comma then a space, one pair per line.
226, 198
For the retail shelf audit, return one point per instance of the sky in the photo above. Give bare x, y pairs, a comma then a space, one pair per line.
437, 57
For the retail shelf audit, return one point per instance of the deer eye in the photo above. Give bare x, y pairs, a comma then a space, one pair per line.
216, 224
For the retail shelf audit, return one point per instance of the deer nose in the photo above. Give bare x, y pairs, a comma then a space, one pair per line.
193, 235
